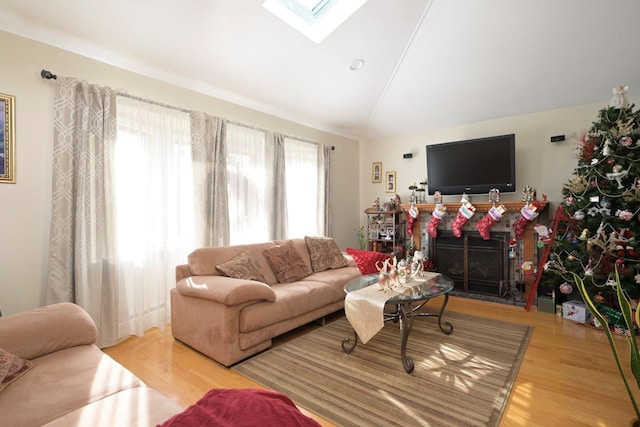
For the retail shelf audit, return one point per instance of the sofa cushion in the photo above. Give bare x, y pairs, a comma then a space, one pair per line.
366, 260
325, 253
292, 300
61, 382
136, 406
225, 290
242, 266
50, 328
12, 367
286, 263
203, 261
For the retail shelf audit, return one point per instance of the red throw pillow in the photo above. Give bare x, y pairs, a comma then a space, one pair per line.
366, 260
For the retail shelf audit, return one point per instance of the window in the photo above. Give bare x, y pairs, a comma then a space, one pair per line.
316, 19
303, 188
153, 196
247, 181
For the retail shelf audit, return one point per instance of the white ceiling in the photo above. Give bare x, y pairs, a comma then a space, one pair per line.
429, 63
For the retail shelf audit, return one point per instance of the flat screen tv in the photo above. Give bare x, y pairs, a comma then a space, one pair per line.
472, 166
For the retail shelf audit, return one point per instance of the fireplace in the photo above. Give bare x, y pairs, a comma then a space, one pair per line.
475, 265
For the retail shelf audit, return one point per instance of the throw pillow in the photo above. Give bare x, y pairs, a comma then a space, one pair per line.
286, 263
12, 367
366, 260
325, 254
242, 266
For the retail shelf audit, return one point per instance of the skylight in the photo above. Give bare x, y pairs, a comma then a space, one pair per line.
315, 19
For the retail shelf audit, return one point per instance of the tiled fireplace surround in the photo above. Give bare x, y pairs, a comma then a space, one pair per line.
525, 248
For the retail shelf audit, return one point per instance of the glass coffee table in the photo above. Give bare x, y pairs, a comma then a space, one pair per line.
404, 307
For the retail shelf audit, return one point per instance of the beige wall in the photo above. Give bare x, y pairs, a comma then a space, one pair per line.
540, 163
25, 206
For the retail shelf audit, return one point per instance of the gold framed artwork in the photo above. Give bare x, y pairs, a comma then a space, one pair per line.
7, 139
390, 181
376, 172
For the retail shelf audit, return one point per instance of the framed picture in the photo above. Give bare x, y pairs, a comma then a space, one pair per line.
373, 234
376, 172
391, 231
7, 139
390, 181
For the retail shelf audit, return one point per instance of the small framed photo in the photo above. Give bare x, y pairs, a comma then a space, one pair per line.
376, 172
373, 234
390, 181
7, 139
391, 231
388, 220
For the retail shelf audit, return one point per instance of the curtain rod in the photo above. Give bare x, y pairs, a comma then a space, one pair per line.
48, 75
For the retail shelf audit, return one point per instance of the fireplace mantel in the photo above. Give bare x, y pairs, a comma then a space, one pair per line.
528, 242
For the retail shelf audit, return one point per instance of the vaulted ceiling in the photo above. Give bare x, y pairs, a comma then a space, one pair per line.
428, 63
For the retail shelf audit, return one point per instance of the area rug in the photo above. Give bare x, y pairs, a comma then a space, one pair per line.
462, 379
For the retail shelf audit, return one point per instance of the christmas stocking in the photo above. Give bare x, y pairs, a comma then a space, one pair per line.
438, 213
494, 215
465, 212
413, 216
529, 213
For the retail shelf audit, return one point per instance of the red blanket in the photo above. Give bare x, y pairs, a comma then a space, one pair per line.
241, 408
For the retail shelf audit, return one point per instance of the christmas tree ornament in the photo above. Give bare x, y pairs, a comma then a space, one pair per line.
599, 298
579, 215
617, 175
619, 99
528, 213
626, 214
494, 215
593, 211
626, 141
438, 213
566, 288
466, 211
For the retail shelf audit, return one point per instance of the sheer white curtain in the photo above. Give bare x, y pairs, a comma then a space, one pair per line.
249, 184
154, 209
304, 185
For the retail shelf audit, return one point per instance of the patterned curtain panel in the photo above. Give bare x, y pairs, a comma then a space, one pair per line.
279, 207
82, 258
210, 180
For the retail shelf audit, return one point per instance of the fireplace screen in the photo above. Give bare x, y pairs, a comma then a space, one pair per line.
475, 265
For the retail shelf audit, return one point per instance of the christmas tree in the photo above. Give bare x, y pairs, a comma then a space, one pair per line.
599, 227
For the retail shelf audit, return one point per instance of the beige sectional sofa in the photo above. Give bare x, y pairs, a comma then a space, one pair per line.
66, 380
285, 284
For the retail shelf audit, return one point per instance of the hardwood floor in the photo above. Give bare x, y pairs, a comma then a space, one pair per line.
568, 376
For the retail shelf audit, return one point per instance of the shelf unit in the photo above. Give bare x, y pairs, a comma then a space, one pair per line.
385, 231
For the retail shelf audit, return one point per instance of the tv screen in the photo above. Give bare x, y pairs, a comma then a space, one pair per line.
472, 166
